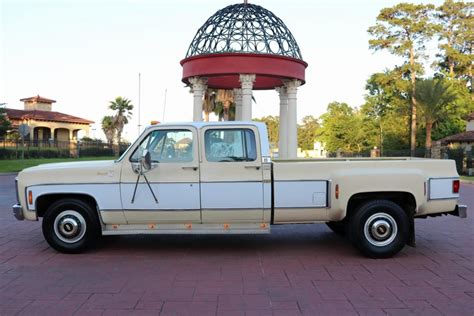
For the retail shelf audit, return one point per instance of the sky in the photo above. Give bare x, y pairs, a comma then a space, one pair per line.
84, 53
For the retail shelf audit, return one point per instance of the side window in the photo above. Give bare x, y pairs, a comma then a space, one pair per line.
224, 145
167, 146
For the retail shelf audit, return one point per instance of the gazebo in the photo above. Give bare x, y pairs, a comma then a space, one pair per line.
245, 47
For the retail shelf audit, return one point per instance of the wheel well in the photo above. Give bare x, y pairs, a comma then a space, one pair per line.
404, 199
44, 201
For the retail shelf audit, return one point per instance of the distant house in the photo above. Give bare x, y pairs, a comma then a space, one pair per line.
464, 139
46, 124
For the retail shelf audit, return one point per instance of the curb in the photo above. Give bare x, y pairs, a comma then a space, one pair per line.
8, 173
467, 181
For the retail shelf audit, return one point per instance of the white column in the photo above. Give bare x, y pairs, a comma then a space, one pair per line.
198, 86
246, 82
292, 89
238, 104
283, 131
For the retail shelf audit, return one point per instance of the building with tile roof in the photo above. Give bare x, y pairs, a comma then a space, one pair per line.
464, 139
46, 124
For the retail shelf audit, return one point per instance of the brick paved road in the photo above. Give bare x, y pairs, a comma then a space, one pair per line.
298, 269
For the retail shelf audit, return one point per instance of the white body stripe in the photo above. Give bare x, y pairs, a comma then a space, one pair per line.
442, 189
232, 195
171, 196
294, 194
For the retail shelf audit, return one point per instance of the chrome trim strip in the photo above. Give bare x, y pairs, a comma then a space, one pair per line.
306, 180
328, 191
150, 210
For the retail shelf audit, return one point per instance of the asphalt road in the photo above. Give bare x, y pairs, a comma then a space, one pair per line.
297, 270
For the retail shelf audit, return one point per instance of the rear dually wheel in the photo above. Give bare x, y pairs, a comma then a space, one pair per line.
379, 228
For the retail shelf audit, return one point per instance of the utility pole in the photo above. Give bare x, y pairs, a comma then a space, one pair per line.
139, 101
164, 106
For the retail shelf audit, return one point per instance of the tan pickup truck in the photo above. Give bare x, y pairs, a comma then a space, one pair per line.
218, 178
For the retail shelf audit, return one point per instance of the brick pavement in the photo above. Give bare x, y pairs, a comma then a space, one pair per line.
297, 270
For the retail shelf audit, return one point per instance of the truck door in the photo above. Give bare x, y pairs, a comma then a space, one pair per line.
173, 178
231, 175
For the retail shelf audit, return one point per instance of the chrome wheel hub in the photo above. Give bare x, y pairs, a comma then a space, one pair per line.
69, 226
380, 229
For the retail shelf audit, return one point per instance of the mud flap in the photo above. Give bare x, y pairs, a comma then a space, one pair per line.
411, 232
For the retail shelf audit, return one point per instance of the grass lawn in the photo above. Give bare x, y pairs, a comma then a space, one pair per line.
470, 178
18, 164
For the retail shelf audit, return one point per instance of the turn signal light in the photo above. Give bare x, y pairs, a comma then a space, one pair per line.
456, 185
30, 197
337, 191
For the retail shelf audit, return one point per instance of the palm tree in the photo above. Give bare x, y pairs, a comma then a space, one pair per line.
209, 104
108, 128
225, 105
433, 96
123, 108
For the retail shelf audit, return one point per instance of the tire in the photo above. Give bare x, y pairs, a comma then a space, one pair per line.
70, 226
379, 228
338, 227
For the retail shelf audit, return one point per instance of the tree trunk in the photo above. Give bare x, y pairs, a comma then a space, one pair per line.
413, 104
206, 116
429, 126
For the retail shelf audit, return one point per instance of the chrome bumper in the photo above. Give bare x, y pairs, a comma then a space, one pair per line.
18, 212
460, 211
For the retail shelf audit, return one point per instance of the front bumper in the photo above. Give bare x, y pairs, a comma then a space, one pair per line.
18, 212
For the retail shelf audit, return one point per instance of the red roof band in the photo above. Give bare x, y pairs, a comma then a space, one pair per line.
222, 70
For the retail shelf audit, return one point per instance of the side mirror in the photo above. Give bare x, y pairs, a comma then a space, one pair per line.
145, 161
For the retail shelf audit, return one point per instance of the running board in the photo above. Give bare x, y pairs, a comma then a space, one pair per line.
191, 228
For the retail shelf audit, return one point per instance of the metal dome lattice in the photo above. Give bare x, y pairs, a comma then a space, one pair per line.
244, 28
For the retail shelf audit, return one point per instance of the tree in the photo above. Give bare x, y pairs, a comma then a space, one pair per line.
225, 105
273, 125
5, 123
386, 109
403, 30
456, 23
342, 128
108, 128
123, 108
308, 132
433, 95
209, 103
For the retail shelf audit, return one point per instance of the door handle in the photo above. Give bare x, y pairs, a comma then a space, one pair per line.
252, 167
193, 168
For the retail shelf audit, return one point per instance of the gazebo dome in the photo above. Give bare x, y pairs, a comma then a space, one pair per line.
244, 28
240, 39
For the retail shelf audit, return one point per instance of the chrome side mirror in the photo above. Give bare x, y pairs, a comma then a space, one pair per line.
145, 161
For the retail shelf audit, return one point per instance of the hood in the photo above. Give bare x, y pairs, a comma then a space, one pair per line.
100, 171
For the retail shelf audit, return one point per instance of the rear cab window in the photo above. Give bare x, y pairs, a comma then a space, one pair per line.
230, 144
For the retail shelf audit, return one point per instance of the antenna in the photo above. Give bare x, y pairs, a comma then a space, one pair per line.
164, 106
139, 101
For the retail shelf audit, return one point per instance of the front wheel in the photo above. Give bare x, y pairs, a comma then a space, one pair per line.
70, 226
379, 228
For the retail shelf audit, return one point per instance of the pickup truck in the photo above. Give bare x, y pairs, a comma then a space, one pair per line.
219, 178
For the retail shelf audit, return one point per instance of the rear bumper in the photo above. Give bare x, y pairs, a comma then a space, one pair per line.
460, 211
18, 212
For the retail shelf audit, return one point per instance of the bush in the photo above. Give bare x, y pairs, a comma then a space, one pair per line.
7, 153
37, 152
95, 152
458, 155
